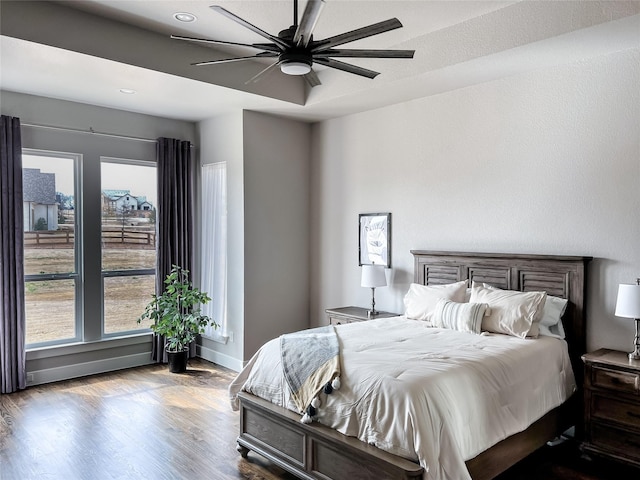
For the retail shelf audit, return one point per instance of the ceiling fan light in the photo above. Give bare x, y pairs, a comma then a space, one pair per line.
295, 68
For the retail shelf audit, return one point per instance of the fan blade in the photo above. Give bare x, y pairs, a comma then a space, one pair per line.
365, 53
261, 46
312, 79
261, 73
236, 59
248, 25
347, 67
352, 36
308, 22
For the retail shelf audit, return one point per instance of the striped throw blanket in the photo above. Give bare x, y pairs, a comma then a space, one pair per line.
310, 364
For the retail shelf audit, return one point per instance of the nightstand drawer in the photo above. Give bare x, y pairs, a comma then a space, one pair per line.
615, 440
341, 321
616, 411
614, 380
342, 315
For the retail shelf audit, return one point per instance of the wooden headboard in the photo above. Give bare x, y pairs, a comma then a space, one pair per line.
560, 276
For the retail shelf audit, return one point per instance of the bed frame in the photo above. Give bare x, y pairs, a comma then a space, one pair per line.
315, 452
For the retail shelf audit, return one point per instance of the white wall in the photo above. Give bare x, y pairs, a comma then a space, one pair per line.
221, 141
547, 162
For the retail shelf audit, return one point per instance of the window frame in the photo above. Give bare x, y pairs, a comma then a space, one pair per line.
124, 273
77, 275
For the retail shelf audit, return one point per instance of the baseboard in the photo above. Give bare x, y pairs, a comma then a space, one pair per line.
219, 358
67, 372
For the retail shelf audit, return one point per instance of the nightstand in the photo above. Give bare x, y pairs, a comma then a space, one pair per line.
338, 316
612, 406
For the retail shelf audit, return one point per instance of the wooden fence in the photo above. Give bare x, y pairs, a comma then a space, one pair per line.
111, 237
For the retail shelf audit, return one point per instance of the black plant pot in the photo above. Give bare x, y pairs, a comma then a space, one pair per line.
178, 361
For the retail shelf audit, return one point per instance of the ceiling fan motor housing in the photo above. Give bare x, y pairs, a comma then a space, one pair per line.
296, 57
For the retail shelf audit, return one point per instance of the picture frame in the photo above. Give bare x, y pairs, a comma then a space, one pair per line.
374, 239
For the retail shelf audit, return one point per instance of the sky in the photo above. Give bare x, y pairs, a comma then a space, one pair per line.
139, 180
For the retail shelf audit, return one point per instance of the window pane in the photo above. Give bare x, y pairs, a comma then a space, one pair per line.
50, 310
49, 220
124, 301
128, 216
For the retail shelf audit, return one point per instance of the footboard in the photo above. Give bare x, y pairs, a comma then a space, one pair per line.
320, 453
313, 451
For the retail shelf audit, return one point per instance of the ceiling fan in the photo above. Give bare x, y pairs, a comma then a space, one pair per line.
296, 51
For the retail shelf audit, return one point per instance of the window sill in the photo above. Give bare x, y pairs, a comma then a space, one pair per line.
218, 338
81, 347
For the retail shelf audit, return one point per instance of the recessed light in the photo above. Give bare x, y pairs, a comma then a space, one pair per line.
184, 17
127, 91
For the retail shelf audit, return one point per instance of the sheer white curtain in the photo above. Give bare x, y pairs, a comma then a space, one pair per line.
214, 245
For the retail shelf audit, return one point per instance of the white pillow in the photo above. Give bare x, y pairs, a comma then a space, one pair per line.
421, 300
463, 317
551, 322
512, 312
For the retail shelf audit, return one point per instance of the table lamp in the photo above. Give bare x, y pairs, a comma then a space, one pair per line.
628, 306
373, 276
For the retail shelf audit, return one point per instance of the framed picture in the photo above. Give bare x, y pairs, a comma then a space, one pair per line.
374, 239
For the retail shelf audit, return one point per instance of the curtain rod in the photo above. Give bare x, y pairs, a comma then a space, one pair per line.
91, 131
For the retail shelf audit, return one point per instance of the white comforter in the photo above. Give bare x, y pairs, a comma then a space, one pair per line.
437, 396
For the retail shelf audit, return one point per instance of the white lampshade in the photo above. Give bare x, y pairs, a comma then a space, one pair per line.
373, 276
628, 304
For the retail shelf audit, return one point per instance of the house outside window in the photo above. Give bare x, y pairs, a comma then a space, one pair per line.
39, 200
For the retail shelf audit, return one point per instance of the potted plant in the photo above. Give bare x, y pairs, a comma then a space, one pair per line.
176, 315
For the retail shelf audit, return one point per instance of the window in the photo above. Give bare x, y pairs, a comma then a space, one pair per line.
214, 246
128, 242
89, 272
52, 280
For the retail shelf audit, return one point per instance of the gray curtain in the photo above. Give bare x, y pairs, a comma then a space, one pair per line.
12, 313
175, 217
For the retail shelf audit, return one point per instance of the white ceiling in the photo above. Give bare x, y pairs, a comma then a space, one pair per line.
56, 51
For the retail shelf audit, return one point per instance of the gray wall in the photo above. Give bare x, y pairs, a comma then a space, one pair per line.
276, 228
546, 162
56, 363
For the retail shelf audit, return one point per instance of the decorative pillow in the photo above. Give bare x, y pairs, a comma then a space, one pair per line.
421, 300
512, 312
551, 322
464, 317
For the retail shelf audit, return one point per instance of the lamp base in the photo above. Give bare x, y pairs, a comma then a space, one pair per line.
635, 355
373, 312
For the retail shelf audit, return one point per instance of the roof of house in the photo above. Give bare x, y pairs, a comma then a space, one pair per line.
38, 187
115, 195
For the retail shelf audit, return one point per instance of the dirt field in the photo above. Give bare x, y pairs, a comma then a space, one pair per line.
50, 305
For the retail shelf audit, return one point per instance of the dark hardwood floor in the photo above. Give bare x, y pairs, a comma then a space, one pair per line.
147, 423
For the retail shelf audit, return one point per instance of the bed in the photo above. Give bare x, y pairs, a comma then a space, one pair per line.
313, 451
